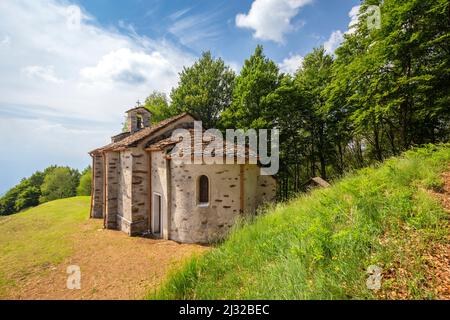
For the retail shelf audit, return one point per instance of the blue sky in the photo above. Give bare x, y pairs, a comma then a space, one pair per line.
69, 69
211, 25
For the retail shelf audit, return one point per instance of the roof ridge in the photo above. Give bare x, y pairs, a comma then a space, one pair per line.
141, 134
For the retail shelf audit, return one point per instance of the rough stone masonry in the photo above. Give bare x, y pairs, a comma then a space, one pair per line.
138, 189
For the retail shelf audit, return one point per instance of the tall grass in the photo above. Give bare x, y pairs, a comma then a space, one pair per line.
319, 246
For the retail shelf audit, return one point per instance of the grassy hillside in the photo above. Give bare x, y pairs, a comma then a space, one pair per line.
319, 246
36, 238
37, 246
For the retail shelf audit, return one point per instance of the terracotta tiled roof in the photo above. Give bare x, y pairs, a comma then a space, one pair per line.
161, 145
138, 136
100, 149
167, 143
120, 136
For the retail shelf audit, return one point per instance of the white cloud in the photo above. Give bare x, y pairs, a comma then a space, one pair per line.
271, 19
354, 16
48, 47
45, 73
334, 41
61, 61
193, 29
135, 68
6, 41
291, 64
235, 66
179, 13
337, 36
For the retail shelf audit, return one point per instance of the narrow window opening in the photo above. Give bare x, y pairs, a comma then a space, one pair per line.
139, 122
157, 219
203, 190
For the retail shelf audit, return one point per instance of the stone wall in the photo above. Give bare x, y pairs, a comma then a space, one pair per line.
266, 189
124, 197
97, 187
159, 186
132, 119
195, 223
129, 197
251, 173
139, 189
128, 183
112, 188
183, 219
132, 198
191, 222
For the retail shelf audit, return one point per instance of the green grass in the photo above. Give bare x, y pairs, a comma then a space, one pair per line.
32, 240
319, 246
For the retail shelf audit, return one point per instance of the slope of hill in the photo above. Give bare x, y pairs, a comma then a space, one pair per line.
37, 246
38, 237
320, 246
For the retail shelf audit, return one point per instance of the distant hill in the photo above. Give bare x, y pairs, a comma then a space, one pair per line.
320, 246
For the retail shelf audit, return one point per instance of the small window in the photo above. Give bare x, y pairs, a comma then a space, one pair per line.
203, 194
139, 122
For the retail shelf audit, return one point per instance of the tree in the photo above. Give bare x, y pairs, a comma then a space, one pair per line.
8, 201
257, 79
51, 184
60, 183
391, 85
415, 44
158, 105
286, 109
204, 89
28, 197
312, 79
22, 196
84, 188
352, 94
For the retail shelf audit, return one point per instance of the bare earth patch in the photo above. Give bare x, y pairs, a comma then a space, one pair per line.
438, 259
433, 257
113, 266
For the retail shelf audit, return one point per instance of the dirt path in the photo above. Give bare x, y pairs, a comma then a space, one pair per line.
113, 266
438, 259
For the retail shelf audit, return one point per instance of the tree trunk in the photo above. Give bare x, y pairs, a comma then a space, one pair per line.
360, 154
312, 160
392, 140
323, 166
341, 158
376, 140
405, 109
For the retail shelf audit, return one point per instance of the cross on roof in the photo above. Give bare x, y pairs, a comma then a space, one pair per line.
138, 103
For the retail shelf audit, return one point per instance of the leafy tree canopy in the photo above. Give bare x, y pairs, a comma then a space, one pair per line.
60, 183
258, 78
159, 106
204, 89
85, 185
